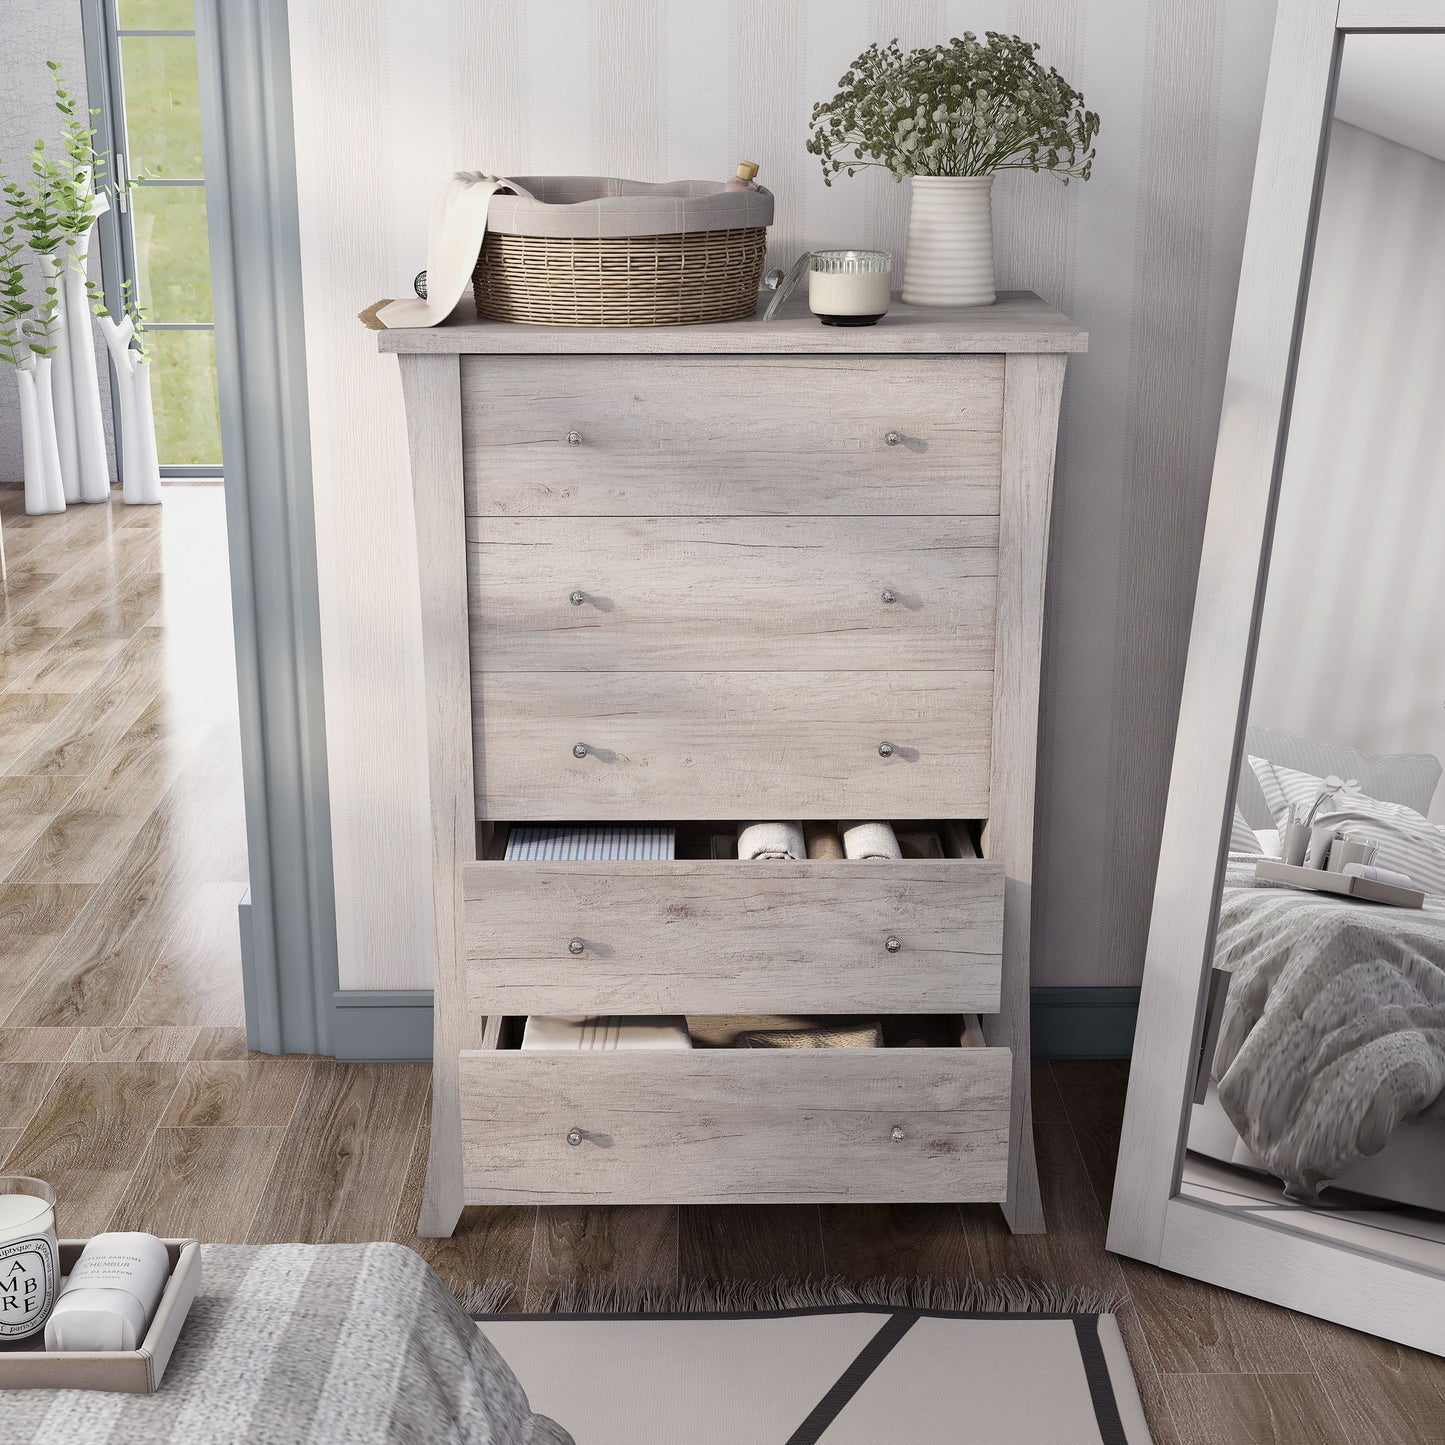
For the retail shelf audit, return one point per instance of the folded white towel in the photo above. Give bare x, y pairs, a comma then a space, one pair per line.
870, 840
771, 842
458, 228
1377, 875
659, 1032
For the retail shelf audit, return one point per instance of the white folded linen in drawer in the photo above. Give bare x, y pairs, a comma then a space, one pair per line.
602, 841
663, 1031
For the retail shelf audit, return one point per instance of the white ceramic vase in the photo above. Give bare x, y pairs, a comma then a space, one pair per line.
132, 376
93, 467
41, 455
950, 242
62, 381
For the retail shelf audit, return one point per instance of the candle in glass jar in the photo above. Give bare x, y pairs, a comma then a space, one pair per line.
849, 288
28, 1263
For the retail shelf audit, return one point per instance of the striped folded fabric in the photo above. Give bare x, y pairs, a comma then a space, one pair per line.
591, 841
570, 1033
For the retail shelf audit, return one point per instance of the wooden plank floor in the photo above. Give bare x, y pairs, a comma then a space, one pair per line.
124, 1077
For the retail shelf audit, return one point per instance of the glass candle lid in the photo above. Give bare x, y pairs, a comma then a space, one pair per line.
851, 263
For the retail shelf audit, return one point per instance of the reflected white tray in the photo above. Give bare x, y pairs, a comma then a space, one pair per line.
1318, 880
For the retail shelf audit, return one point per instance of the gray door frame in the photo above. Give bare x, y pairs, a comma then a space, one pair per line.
289, 923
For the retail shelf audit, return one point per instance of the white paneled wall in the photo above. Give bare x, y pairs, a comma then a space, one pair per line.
1350, 649
393, 95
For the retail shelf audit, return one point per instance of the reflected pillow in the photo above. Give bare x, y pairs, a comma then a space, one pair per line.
1242, 837
1408, 842
1408, 778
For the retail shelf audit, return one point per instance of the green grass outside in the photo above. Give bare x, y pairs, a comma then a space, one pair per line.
163, 124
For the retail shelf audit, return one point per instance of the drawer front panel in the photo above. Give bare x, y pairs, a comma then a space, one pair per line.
732, 745
730, 937
690, 436
732, 593
715, 1126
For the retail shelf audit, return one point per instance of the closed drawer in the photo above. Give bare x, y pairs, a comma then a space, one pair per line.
622, 745
714, 1126
733, 937
689, 436
732, 593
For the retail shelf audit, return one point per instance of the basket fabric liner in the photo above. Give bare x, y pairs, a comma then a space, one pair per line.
597, 207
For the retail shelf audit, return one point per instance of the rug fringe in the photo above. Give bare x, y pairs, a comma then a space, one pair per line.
490, 1297
1007, 1295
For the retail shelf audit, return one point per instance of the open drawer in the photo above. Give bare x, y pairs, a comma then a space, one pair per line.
722, 936
888, 1125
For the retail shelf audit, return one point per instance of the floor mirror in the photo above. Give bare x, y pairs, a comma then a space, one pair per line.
1285, 1129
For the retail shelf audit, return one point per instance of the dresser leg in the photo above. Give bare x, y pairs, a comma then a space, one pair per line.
1024, 1207
441, 1204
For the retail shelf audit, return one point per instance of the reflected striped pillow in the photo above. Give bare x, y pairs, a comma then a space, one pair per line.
1407, 842
1242, 837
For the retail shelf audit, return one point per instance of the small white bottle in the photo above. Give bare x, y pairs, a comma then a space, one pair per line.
111, 1296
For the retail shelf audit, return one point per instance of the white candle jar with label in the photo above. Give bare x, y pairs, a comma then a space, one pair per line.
29, 1260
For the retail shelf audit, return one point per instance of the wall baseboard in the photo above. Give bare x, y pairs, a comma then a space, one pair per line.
1083, 1023
386, 1025
383, 1025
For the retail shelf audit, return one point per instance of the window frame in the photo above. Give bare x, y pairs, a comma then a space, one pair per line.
115, 233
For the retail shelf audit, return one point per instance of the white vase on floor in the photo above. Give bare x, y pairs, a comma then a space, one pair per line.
139, 464
41, 455
950, 242
89, 429
62, 383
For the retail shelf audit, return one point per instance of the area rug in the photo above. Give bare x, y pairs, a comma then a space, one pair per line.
828, 1364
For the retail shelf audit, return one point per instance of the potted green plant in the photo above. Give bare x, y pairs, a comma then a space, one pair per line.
51, 215
950, 118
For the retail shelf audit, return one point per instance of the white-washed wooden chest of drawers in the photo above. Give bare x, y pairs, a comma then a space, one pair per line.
718, 573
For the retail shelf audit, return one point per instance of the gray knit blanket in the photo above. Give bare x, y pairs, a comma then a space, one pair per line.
1333, 1032
287, 1343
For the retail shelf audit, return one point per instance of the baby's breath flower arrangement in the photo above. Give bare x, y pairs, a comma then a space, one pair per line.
968, 108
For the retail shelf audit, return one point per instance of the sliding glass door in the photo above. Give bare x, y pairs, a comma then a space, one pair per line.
142, 78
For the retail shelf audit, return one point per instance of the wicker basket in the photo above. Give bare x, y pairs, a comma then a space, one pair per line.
598, 251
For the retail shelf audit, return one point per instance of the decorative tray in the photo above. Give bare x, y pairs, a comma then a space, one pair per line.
1319, 880
28, 1365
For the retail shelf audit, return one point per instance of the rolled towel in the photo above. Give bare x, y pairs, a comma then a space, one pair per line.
870, 840
823, 841
771, 842
1373, 874
865, 1036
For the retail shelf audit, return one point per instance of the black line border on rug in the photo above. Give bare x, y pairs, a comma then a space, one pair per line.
1101, 1384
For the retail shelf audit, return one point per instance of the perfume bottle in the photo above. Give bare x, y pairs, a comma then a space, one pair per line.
743, 180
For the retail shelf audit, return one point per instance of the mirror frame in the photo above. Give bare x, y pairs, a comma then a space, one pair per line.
1149, 1219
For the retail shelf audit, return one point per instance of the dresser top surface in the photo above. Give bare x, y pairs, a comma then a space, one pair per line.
1017, 322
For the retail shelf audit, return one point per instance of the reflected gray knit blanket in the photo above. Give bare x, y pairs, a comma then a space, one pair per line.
288, 1343
1334, 1029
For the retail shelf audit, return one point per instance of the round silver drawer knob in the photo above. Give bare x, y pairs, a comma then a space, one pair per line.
892, 944
889, 595
574, 1137
579, 750
885, 750
577, 598
892, 438
898, 1136
576, 946
574, 438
